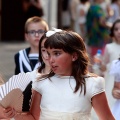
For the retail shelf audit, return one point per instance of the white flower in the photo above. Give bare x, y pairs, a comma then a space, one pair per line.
56, 30
49, 33
53, 31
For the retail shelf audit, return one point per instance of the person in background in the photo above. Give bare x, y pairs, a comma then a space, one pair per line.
65, 13
73, 12
43, 69
97, 28
26, 60
115, 7
69, 91
82, 10
32, 8
111, 52
115, 71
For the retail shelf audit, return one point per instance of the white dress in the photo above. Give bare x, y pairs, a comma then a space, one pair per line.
115, 71
112, 52
59, 102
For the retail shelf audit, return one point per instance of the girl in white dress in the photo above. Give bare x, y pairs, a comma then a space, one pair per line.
112, 52
115, 71
69, 91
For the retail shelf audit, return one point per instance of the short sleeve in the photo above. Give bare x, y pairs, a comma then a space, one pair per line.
37, 86
98, 86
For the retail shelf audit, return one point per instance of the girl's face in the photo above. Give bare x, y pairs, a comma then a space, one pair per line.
117, 32
44, 53
60, 61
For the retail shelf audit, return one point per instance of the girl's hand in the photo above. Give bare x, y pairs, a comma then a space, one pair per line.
116, 93
103, 68
9, 112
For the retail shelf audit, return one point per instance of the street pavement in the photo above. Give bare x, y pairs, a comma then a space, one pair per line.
7, 66
7, 52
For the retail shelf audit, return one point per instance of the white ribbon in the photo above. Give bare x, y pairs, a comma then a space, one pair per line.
53, 31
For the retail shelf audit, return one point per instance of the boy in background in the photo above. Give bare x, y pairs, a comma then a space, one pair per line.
26, 60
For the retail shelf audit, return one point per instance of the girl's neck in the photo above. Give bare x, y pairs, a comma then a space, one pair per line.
46, 70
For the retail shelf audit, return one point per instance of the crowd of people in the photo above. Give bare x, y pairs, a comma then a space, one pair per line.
61, 84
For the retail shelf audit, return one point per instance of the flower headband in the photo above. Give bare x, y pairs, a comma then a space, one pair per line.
53, 31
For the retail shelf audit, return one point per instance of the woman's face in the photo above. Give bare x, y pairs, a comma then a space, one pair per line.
117, 32
44, 53
60, 61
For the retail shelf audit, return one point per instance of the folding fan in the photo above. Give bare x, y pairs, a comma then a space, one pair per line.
16, 92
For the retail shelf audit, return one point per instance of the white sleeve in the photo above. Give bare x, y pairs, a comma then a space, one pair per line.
37, 86
98, 86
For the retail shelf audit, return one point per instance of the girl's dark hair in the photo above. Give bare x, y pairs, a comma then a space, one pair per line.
83, 1
40, 55
113, 1
113, 27
70, 42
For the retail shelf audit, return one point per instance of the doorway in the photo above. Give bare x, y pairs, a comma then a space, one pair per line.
12, 20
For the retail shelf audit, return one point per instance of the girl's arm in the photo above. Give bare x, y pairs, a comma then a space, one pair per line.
35, 105
116, 90
100, 105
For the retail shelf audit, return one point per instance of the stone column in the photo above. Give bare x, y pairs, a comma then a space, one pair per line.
50, 12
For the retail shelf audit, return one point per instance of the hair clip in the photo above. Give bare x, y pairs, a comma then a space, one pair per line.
53, 31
